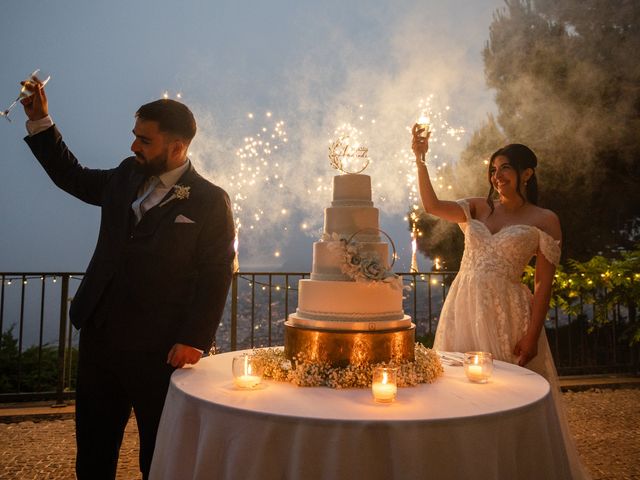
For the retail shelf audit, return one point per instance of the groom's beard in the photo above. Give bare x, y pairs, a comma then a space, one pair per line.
150, 167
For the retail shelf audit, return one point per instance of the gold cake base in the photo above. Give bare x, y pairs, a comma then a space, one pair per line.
341, 348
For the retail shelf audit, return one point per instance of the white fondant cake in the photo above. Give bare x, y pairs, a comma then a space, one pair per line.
331, 299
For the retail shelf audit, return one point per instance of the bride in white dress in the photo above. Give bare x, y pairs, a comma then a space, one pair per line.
487, 307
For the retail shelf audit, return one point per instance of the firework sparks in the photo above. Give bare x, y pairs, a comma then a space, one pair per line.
435, 122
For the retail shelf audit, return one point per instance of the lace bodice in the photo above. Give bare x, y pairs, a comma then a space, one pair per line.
506, 252
488, 307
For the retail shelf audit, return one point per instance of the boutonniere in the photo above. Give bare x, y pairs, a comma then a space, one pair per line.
180, 192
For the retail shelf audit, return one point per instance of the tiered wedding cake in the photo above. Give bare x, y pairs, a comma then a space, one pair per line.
350, 310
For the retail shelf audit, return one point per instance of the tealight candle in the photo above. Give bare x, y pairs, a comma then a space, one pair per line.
384, 385
247, 381
478, 366
247, 373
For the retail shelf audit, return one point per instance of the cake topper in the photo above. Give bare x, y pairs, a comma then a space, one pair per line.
346, 153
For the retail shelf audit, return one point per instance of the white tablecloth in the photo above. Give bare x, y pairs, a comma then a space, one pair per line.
505, 429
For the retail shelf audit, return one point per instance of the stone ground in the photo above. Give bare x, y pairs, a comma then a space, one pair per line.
605, 424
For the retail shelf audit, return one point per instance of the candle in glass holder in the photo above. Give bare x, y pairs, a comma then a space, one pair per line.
478, 366
384, 385
247, 372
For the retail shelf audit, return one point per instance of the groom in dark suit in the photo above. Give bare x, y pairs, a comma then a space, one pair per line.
154, 292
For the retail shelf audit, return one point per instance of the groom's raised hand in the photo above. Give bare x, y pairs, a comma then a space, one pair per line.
35, 106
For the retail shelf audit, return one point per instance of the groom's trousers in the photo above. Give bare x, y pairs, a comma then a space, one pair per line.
110, 383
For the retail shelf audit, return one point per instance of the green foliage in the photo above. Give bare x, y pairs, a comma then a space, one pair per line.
8, 360
38, 368
601, 283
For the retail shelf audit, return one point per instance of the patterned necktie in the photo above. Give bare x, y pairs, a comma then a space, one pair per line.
137, 207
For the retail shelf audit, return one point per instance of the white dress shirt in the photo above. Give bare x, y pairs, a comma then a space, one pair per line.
167, 182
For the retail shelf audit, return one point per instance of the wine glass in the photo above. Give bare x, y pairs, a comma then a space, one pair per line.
37, 76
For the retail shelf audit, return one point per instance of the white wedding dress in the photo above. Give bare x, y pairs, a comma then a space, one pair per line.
488, 308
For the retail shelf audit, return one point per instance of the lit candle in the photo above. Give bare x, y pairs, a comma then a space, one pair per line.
478, 366
247, 381
383, 386
384, 392
247, 373
474, 372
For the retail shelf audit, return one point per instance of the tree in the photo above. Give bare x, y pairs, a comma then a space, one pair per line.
567, 85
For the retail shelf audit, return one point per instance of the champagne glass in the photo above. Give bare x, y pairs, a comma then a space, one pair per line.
37, 76
424, 124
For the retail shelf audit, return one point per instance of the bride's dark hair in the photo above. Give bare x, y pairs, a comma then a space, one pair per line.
520, 158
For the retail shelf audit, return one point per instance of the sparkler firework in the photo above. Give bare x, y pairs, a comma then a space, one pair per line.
279, 183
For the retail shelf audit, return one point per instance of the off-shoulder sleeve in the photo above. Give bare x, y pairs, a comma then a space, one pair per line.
550, 247
465, 207
467, 213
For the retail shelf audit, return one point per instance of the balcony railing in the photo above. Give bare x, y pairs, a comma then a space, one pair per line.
38, 346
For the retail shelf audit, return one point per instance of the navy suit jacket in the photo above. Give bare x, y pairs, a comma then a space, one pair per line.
157, 283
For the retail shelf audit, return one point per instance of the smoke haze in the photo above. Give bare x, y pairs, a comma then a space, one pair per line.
313, 66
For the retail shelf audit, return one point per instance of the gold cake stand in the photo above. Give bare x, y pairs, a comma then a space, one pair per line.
341, 348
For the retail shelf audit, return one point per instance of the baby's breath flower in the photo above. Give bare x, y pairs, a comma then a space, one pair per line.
304, 372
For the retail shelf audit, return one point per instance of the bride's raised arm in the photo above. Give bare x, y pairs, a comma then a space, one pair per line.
445, 209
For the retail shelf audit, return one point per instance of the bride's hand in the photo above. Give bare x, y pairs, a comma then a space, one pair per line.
420, 144
525, 350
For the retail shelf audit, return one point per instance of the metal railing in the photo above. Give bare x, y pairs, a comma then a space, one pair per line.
37, 361
38, 347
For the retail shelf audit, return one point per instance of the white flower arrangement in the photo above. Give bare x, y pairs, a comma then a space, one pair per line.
361, 265
425, 368
180, 192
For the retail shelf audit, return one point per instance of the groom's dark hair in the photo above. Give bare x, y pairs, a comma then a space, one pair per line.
172, 117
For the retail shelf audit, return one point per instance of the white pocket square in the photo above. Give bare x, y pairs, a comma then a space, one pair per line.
182, 219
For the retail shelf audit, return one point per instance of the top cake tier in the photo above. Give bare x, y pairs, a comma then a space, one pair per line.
352, 190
